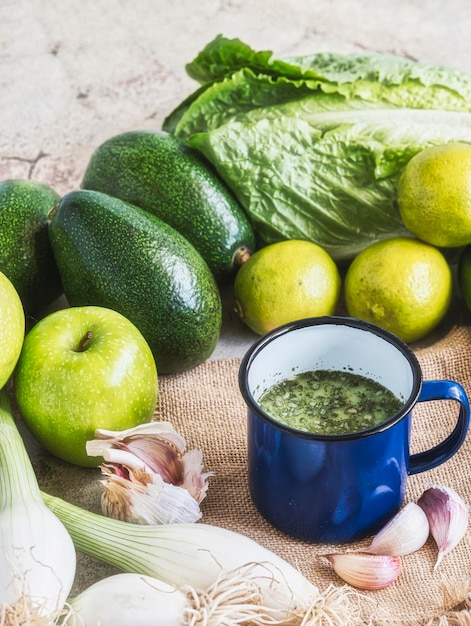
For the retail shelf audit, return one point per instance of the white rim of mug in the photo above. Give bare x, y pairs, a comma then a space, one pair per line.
336, 320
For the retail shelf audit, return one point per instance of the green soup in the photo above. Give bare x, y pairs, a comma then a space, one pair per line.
329, 402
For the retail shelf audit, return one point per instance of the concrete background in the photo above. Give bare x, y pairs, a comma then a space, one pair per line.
75, 73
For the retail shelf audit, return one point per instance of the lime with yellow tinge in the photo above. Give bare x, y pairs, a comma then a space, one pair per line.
402, 285
434, 195
286, 281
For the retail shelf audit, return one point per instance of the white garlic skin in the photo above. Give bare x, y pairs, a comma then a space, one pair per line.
405, 533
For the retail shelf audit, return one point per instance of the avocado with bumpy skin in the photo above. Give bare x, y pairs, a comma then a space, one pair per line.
26, 256
163, 175
113, 254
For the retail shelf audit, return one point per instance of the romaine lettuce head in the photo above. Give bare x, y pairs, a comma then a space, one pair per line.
313, 146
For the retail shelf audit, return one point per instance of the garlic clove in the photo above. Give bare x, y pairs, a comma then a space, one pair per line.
158, 454
448, 517
405, 533
365, 571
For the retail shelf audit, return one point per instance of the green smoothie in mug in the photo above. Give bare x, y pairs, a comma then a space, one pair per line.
329, 402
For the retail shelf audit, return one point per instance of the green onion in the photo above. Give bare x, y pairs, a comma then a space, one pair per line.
200, 557
37, 555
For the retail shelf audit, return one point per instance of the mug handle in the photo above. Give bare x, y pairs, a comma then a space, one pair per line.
442, 390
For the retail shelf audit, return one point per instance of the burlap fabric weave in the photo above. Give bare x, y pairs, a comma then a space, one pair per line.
206, 407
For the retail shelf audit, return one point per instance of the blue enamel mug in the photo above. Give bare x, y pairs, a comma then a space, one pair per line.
338, 488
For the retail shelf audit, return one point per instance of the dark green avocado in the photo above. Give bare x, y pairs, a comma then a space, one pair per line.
26, 256
163, 175
113, 254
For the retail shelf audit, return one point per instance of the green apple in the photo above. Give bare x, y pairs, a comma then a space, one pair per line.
83, 368
12, 328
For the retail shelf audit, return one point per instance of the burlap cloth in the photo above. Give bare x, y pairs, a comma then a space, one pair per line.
205, 406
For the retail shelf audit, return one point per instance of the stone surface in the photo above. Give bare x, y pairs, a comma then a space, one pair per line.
75, 73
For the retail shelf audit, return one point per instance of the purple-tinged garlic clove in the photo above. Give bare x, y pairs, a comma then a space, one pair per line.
447, 514
365, 571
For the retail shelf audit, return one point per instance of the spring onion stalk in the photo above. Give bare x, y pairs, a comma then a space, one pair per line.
200, 557
37, 555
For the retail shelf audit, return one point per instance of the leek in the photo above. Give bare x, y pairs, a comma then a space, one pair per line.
200, 557
37, 562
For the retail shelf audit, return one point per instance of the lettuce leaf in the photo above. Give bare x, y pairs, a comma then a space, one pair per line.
313, 146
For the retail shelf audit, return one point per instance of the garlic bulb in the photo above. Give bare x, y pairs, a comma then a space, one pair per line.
447, 515
150, 478
365, 571
405, 533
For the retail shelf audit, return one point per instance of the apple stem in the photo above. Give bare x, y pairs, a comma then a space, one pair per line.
84, 342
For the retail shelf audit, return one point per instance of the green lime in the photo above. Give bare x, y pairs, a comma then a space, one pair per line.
286, 281
434, 195
403, 285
